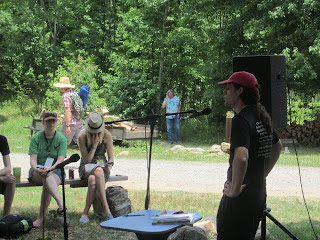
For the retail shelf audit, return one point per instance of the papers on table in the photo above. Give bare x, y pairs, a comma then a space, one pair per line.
171, 218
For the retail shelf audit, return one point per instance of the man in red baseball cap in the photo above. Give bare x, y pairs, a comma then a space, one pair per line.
254, 150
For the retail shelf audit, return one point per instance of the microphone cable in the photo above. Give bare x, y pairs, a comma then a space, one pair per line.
295, 150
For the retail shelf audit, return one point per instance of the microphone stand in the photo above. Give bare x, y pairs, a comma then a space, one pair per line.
65, 224
152, 121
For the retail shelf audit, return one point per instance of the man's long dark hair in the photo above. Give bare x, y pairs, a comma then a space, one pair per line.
251, 97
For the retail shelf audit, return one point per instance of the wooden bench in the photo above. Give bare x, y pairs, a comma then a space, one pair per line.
74, 183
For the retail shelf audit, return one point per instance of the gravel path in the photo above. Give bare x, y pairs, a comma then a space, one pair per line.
198, 177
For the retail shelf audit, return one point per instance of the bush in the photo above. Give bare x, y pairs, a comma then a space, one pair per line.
303, 108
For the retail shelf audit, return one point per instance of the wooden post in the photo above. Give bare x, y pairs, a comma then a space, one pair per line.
228, 129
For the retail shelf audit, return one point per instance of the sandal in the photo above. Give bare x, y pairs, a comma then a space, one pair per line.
60, 211
84, 220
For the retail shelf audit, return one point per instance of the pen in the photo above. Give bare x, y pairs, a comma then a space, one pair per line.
133, 215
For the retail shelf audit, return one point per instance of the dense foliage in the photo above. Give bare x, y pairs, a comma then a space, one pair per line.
131, 52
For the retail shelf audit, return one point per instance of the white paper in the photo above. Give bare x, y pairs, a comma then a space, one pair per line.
47, 164
185, 218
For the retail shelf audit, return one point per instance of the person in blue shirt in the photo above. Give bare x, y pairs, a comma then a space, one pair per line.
173, 105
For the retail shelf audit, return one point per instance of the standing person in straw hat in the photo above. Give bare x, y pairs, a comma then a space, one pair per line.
94, 142
71, 126
255, 148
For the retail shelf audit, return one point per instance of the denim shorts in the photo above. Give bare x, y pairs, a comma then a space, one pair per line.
57, 172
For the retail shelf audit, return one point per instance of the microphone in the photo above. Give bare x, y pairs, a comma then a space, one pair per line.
72, 158
205, 111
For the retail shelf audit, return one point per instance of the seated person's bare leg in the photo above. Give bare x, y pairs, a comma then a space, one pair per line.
90, 195
8, 198
100, 186
50, 190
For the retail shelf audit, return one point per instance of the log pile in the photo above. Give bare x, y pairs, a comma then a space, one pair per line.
306, 134
127, 125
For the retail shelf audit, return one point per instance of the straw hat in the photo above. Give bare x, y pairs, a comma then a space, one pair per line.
95, 123
64, 82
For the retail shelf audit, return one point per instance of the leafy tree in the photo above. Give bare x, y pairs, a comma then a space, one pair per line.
82, 72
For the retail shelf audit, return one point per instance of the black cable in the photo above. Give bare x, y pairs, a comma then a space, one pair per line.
295, 150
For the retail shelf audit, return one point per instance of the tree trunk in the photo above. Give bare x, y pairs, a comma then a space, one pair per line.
161, 62
54, 40
43, 35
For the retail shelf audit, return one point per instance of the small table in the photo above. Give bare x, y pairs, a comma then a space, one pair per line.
141, 224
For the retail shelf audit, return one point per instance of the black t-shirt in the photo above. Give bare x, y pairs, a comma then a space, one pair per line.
249, 132
4, 147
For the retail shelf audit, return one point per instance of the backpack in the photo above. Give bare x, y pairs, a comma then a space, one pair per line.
84, 95
118, 201
77, 103
13, 226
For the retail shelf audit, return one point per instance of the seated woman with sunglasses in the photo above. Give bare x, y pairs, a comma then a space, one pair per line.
47, 149
94, 142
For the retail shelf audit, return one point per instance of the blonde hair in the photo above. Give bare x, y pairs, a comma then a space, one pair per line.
89, 136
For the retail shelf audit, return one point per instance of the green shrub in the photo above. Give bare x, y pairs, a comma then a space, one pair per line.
303, 108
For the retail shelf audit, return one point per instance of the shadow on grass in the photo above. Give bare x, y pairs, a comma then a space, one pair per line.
301, 230
3, 118
54, 228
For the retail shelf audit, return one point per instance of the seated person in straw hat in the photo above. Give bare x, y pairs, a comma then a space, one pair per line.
45, 146
71, 126
94, 142
7, 180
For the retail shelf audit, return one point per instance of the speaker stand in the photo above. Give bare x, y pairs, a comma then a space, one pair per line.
266, 214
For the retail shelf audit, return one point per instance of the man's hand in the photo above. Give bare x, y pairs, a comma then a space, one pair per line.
232, 193
8, 178
68, 130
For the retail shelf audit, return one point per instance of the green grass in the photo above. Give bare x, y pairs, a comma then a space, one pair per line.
12, 123
289, 211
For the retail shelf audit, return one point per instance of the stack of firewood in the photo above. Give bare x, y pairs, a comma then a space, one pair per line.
127, 125
306, 134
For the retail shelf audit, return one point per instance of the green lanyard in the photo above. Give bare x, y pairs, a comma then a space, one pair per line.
49, 145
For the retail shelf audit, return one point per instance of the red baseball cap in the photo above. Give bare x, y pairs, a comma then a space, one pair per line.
243, 78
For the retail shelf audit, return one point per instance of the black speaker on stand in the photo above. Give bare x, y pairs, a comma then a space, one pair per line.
270, 72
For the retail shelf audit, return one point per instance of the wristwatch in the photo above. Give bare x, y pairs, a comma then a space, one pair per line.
110, 163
